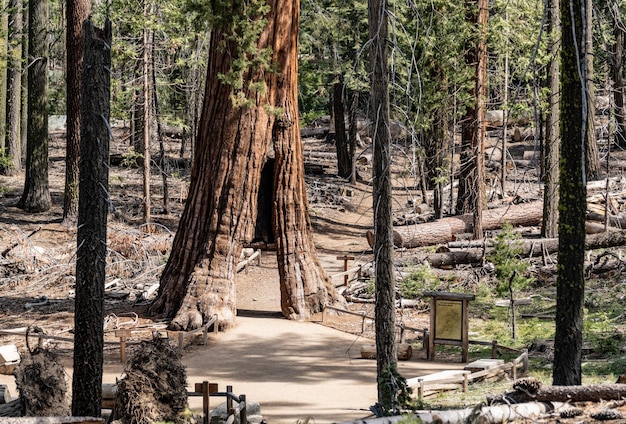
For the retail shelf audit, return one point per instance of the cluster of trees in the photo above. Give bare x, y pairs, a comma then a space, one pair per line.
434, 66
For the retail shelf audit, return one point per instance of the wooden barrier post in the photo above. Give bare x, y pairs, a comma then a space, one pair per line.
243, 409
206, 389
123, 335
345, 259
494, 349
229, 399
181, 341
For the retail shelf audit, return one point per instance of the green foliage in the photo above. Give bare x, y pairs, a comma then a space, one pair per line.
131, 159
599, 330
6, 163
396, 393
423, 278
510, 269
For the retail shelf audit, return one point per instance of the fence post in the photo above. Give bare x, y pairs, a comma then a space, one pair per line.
205, 401
243, 410
229, 399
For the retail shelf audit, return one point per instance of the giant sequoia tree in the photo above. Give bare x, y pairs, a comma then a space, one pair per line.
250, 101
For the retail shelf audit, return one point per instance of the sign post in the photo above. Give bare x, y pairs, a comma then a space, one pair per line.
449, 321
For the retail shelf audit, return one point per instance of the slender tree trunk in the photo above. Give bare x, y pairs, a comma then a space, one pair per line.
4, 50
549, 227
147, 48
92, 223
471, 192
572, 201
385, 317
618, 80
352, 135
36, 195
341, 143
24, 92
592, 155
77, 13
14, 89
481, 100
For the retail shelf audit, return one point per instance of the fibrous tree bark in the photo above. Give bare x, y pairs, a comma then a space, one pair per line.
77, 13
549, 226
36, 195
385, 315
572, 199
471, 197
14, 89
4, 49
592, 155
617, 65
92, 223
305, 286
240, 118
344, 165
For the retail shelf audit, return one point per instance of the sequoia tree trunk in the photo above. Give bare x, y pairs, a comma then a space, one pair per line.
237, 125
304, 285
198, 280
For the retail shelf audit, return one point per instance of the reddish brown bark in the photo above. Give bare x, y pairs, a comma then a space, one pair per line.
305, 286
221, 209
198, 280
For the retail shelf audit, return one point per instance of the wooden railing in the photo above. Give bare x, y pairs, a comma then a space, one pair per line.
124, 334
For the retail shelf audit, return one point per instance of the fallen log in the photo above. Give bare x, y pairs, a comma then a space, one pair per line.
485, 414
53, 420
444, 230
405, 351
584, 393
528, 247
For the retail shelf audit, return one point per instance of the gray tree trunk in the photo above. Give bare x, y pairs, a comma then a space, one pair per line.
92, 223
14, 88
552, 146
572, 202
385, 316
36, 195
77, 13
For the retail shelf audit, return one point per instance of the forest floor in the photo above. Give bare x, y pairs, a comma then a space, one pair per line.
298, 372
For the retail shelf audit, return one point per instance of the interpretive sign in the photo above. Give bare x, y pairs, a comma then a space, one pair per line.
449, 321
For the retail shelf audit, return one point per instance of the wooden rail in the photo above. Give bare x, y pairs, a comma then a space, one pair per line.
464, 377
206, 390
124, 334
364, 316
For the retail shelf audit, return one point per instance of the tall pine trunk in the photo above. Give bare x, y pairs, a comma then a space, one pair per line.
92, 223
549, 228
36, 195
572, 201
77, 13
618, 80
14, 89
592, 155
